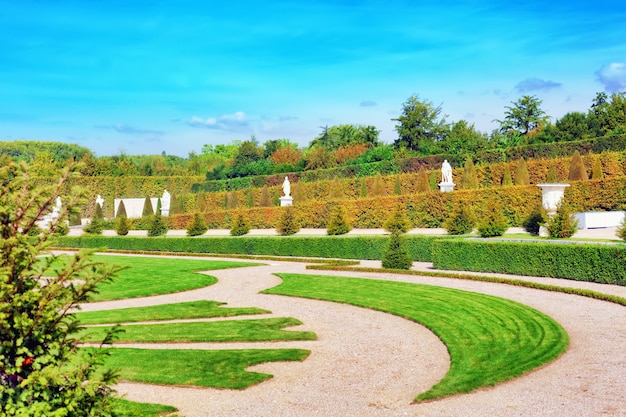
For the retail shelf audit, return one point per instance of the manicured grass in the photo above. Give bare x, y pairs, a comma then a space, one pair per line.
490, 339
262, 330
148, 276
204, 368
125, 408
188, 310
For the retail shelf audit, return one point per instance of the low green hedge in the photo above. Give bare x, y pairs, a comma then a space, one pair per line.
582, 262
344, 247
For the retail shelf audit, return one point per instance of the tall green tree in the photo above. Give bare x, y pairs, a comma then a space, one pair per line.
420, 126
523, 117
42, 370
464, 139
334, 137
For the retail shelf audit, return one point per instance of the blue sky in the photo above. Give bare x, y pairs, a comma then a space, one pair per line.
142, 77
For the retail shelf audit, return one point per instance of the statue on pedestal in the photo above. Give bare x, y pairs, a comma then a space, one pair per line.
286, 187
446, 172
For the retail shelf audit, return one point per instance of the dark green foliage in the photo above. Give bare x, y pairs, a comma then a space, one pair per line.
35, 230
396, 256
148, 210
159, 206
42, 370
288, 224
62, 229
588, 262
562, 224
240, 226
536, 219
122, 225
121, 210
157, 227
338, 222
346, 247
461, 222
621, 230
521, 173
398, 222
96, 225
493, 222
75, 219
197, 226
470, 180
577, 171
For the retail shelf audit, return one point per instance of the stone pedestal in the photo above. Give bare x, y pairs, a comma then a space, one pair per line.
286, 200
446, 187
165, 212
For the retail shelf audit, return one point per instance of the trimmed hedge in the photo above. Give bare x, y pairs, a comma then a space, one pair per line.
581, 262
345, 247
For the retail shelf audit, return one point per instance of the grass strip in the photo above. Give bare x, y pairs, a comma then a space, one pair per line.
482, 278
204, 368
189, 310
125, 408
147, 276
490, 339
262, 330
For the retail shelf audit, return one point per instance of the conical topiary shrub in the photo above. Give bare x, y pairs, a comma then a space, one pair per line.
157, 226
577, 171
122, 225
397, 186
461, 222
422, 184
493, 222
148, 210
596, 172
288, 224
521, 173
552, 178
266, 199
378, 186
397, 222
470, 180
121, 210
197, 226
507, 181
396, 256
240, 226
338, 222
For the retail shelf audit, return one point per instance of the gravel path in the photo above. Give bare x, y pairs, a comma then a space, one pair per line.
368, 363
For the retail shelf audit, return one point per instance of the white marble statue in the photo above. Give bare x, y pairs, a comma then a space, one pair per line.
56, 210
165, 200
446, 172
100, 201
286, 187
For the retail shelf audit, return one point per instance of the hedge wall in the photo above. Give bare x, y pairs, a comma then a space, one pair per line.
345, 247
582, 262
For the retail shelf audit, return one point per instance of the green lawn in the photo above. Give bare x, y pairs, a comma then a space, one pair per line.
148, 276
490, 339
204, 368
261, 330
188, 310
125, 408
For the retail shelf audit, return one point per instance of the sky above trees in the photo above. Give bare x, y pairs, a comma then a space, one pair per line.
144, 77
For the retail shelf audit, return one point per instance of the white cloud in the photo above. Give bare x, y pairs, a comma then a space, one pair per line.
536, 84
130, 130
223, 122
368, 103
612, 76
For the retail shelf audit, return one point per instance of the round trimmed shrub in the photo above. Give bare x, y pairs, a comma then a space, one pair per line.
197, 226
240, 226
338, 222
396, 256
461, 222
158, 227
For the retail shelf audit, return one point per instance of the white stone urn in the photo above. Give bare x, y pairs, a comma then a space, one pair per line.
552, 194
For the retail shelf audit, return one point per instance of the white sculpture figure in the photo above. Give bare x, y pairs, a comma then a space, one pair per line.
100, 201
56, 210
446, 172
165, 200
286, 187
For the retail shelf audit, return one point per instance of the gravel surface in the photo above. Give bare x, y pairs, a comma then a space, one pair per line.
368, 363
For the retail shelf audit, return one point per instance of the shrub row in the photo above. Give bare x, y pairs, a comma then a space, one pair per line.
344, 247
582, 262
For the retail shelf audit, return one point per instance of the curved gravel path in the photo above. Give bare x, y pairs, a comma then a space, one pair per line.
368, 363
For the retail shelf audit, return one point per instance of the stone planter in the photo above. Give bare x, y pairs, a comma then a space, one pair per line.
551, 196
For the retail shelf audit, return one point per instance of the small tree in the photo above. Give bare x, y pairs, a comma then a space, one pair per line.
378, 186
597, 173
157, 226
422, 185
148, 210
494, 222
363, 191
240, 226
521, 173
299, 193
338, 222
288, 224
159, 206
577, 171
461, 222
396, 256
96, 225
121, 210
397, 186
562, 224
397, 222
507, 181
197, 226
42, 370
552, 178
536, 219
250, 198
122, 226
469, 174
266, 199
